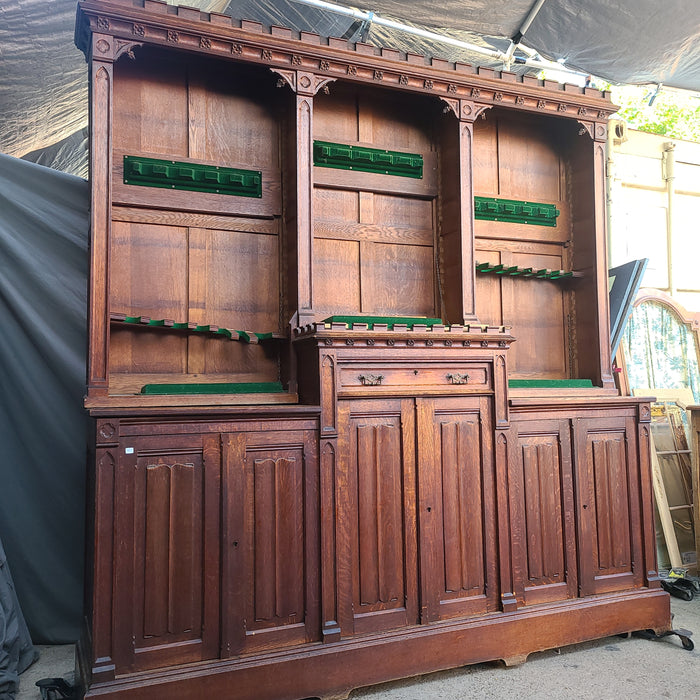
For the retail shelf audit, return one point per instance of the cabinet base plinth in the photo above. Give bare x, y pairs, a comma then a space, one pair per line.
333, 670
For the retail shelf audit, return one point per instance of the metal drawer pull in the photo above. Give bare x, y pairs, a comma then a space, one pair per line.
371, 379
458, 378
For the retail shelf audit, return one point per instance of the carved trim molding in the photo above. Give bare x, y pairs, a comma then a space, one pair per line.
253, 43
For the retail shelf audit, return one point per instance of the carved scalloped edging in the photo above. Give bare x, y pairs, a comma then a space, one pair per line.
420, 336
158, 23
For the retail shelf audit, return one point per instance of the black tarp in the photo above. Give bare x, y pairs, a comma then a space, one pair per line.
16, 650
43, 272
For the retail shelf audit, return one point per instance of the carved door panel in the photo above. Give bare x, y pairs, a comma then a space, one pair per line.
166, 568
456, 508
607, 493
542, 512
376, 541
270, 542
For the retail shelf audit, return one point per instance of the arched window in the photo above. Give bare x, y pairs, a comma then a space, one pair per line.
661, 345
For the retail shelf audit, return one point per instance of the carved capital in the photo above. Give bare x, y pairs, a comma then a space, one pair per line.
287, 77
586, 128
470, 111
451, 105
321, 83
125, 47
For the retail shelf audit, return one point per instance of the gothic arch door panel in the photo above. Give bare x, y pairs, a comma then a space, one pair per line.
542, 512
166, 551
376, 515
270, 543
456, 508
607, 492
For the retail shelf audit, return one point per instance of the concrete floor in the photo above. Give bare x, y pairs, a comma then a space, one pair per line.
607, 669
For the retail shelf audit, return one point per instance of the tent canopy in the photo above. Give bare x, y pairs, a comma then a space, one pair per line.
43, 88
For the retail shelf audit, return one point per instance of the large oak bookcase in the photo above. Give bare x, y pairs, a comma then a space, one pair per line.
349, 366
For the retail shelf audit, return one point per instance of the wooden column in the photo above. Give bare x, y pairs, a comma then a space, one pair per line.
101, 85
329, 455
651, 574
468, 112
601, 261
504, 453
304, 194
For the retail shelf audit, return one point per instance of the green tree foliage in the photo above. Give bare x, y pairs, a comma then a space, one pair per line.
672, 113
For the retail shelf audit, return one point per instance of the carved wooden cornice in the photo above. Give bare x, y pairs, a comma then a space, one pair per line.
282, 50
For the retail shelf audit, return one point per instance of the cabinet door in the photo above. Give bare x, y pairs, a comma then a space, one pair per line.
166, 569
542, 512
376, 538
607, 493
270, 545
457, 514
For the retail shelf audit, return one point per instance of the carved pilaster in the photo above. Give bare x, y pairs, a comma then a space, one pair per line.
329, 405
304, 199
102, 556
500, 388
601, 262
505, 554
651, 573
101, 67
468, 112
329, 601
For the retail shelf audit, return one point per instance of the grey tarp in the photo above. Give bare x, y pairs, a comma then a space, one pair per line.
16, 650
43, 79
43, 272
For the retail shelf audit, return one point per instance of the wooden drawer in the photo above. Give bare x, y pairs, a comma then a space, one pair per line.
404, 377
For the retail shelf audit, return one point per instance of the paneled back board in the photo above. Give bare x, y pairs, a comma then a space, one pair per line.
349, 366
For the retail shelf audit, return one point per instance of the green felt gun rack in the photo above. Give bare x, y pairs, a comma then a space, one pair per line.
368, 160
195, 177
527, 272
189, 327
515, 211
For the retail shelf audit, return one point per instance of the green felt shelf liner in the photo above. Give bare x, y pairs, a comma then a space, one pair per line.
215, 388
550, 384
390, 321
